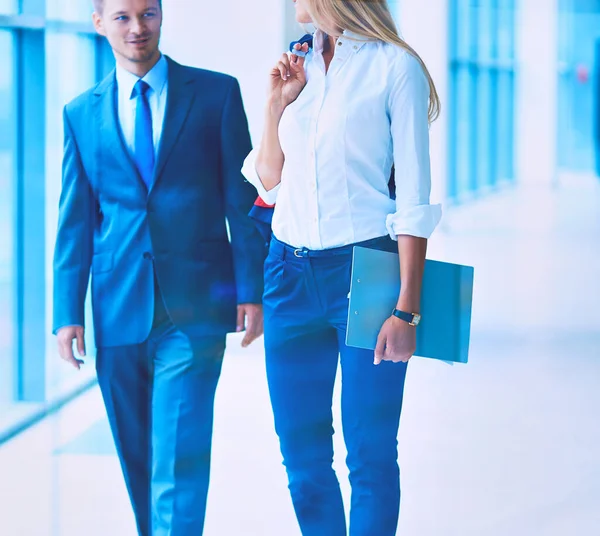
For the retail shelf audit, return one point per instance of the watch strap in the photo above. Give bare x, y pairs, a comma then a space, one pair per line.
402, 315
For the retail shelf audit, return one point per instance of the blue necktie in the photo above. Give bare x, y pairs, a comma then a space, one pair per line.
143, 140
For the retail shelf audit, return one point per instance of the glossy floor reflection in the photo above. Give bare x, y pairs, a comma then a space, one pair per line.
507, 445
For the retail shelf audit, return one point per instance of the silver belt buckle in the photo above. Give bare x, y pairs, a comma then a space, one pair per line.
298, 253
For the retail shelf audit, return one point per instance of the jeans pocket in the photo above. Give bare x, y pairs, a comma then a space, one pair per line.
273, 274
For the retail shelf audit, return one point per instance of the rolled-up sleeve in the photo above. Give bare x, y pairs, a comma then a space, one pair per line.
249, 172
408, 109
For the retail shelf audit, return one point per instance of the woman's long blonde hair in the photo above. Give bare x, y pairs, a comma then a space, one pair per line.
370, 19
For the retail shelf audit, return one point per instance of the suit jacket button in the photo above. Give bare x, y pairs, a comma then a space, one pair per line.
147, 255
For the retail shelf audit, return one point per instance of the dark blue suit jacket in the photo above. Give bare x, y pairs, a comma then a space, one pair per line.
111, 225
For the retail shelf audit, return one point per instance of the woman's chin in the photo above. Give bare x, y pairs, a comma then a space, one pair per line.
303, 18
306, 25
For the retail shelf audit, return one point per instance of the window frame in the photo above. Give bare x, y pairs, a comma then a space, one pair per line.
28, 28
481, 97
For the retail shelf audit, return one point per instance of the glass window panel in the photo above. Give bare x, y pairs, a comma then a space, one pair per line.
8, 7
578, 37
463, 30
8, 136
506, 30
463, 129
69, 10
70, 70
505, 124
451, 186
472, 113
485, 127
482, 85
485, 31
492, 142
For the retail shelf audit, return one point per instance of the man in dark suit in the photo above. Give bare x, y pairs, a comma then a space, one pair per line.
151, 178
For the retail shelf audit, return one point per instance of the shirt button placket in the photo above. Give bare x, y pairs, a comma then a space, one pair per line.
314, 225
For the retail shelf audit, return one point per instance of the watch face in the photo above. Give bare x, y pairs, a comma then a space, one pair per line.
416, 319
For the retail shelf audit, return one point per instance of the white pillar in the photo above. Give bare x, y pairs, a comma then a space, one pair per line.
424, 25
243, 39
536, 109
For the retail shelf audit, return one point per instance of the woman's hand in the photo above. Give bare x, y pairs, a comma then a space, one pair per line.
288, 79
397, 341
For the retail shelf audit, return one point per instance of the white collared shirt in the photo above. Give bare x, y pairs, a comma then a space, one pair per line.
157, 79
340, 138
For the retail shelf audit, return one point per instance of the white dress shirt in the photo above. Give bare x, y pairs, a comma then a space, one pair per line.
340, 138
157, 79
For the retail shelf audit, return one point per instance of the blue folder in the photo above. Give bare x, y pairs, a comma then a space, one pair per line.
446, 302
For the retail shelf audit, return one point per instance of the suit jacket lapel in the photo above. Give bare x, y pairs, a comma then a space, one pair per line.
180, 97
106, 116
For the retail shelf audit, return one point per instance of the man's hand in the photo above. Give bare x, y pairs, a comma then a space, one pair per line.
250, 318
397, 341
65, 338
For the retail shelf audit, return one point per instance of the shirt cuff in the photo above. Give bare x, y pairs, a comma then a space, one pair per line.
419, 221
73, 325
249, 171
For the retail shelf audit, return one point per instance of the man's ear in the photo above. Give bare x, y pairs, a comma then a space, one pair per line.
98, 24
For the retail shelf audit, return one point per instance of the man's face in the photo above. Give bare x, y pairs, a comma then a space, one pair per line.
132, 28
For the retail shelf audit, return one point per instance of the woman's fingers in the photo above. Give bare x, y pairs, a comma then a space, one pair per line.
284, 70
298, 54
292, 63
284, 66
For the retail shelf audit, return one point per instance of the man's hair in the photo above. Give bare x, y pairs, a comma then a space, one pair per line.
99, 5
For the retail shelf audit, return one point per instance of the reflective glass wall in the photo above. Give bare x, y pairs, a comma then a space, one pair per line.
70, 58
481, 96
578, 85
50, 54
7, 216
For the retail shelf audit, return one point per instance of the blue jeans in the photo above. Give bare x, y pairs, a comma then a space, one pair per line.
306, 309
159, 398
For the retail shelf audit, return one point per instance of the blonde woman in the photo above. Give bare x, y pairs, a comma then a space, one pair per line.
340, 116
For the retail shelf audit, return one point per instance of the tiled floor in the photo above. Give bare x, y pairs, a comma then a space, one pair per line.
507, 445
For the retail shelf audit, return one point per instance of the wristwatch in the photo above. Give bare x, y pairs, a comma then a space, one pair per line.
412, 318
